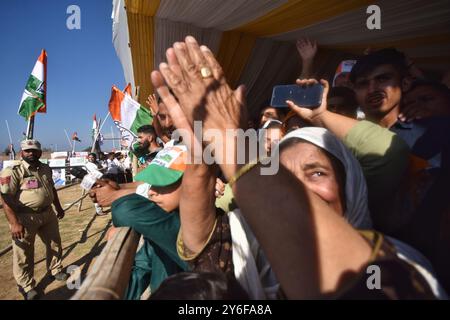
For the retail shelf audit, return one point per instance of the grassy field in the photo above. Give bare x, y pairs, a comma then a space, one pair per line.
82, 236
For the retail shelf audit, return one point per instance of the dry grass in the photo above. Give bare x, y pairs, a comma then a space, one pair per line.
82, 236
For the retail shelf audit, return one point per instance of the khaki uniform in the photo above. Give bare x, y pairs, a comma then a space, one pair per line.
33, 192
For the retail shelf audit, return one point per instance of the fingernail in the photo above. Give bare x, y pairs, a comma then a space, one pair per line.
163, 65
190, 39
204, 48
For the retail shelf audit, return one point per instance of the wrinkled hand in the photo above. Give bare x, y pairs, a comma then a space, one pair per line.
17, 231
152, 102
220, 188
311, 115
306, 48
208, 99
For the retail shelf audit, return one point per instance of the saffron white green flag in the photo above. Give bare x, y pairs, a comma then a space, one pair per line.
127, 113
34, 96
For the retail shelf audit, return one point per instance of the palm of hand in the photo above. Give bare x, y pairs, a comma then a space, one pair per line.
307, 49
207, 99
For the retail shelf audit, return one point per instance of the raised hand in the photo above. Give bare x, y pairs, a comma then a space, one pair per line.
152, 102
220, 188
311, 115
306, 48
197, 79
198, 82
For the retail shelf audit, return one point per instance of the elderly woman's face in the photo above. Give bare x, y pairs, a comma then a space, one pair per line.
316, 171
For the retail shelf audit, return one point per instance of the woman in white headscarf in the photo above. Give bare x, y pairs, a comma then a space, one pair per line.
328, 169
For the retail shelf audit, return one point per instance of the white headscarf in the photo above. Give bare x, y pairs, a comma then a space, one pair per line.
357, 211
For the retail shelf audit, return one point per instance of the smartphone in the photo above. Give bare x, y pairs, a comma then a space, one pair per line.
307, 97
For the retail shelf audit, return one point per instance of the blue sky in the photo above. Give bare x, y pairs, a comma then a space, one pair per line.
82, 67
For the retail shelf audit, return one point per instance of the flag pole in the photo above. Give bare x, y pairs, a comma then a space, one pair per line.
9, 132
30, 127
100, 130
68, 139
12, 155
112, 135
104, 121
95, 135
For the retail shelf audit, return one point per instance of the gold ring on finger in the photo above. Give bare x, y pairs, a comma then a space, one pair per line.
206, 72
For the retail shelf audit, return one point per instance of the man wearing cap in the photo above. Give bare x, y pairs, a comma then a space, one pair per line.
27, 193
156, 220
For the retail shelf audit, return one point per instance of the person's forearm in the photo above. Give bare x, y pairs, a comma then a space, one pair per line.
338, 124
307, 69
197, 206
130, 185
309, 246
158, 130
8, 208
117, 194
56, 201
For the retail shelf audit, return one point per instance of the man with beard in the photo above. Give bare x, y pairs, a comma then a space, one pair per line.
147, 142
27, 193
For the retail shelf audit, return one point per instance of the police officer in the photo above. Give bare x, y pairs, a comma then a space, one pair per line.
27, 193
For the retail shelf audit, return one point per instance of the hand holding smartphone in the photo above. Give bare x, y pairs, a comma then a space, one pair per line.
304, 96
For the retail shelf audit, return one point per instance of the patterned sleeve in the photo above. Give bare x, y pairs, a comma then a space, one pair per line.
216, 255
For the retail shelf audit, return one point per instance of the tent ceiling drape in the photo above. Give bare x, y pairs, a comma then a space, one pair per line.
253, 39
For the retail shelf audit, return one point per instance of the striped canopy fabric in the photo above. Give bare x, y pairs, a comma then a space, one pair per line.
254, 40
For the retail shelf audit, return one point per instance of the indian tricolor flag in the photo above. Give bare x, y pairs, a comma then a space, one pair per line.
33, 98
127, 113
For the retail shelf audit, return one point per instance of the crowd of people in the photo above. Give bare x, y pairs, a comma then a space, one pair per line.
360, 186
361, 183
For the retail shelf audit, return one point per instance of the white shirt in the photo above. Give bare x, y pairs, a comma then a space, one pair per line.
113, 168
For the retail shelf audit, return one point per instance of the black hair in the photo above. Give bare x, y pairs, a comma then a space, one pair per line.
93, 154
369, 62
344, 101
199, 286
281, 112
147, 129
